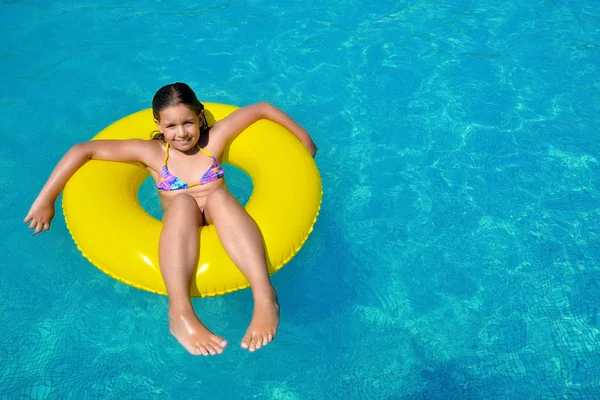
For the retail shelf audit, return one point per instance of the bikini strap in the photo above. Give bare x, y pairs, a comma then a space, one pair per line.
199, 148
167, 154
205, 152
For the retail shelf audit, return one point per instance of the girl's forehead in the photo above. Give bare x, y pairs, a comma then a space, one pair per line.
176, 112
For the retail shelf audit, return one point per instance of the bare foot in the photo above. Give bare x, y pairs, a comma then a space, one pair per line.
193, 335
263, 326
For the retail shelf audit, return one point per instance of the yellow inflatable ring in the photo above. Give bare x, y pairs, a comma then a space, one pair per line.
119, 237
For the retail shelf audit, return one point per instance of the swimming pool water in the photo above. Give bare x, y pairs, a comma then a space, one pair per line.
456, 253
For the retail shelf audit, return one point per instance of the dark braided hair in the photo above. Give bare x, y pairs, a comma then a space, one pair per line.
172, 95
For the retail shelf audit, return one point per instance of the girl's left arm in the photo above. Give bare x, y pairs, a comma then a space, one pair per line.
242, 118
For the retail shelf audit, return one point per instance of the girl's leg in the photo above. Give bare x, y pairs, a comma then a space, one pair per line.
243, 242
178, 257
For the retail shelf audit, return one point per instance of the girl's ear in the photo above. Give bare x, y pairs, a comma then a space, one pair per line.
157, 124
204, 121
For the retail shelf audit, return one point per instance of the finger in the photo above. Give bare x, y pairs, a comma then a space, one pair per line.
46, 226
33, 223
39, 228
27, 218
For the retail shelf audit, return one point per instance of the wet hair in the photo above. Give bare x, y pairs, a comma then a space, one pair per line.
172, 95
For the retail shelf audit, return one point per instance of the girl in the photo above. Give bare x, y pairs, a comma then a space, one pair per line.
184, 162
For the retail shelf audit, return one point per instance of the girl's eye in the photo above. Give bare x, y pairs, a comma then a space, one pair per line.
188, 123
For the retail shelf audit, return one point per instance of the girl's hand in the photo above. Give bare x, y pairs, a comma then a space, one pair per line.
40, 215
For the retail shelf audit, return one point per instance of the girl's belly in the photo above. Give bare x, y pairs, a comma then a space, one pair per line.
199, 193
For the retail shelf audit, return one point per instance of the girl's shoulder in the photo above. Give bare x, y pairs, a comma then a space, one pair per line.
155, 148
149, 147
147, 151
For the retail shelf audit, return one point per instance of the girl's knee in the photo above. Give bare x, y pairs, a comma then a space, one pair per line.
182, 203
217, 196
183, 200
219, 201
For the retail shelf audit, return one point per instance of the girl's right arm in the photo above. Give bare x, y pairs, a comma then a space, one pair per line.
42, 209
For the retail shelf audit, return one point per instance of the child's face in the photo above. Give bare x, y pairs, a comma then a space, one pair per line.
181, 126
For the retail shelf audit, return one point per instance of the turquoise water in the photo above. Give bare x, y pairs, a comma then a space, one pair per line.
456, 253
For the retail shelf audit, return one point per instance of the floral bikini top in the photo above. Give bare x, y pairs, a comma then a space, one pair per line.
169, 182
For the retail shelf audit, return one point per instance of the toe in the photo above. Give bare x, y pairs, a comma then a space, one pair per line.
246, 341
217, 348
203, 349
196, 350
254, 343
260, 341
220, 342
212, 349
